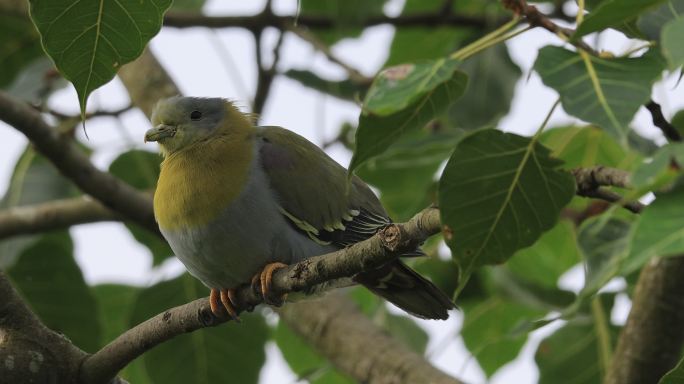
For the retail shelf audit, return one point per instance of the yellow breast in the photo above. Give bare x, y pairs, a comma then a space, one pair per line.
195, 185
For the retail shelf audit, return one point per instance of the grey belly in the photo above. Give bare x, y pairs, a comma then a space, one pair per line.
243, 239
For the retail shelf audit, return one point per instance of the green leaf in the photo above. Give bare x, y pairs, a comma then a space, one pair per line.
232, 352
405, 173
675, 376
344, 89
346, 16
659, 231
603, 245
499, 192
550, 257
531, 294
613, 13
304, 361
404, 99
141, 170
650, 23
587, 147
658, 171
489, 331
571, 355
90, 40
34, 180
116, 303
35, 82
492, 78
48, 277
606, 92
397, 87
19, 46
672, 37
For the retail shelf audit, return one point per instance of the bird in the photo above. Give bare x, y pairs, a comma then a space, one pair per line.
237, 201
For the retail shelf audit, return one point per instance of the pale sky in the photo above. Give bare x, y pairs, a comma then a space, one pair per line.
108, 253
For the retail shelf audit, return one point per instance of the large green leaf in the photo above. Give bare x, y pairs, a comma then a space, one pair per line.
651, 23
571, 355
403, 99
232, 352
659, 231
552, 255
34, 180
90, 40
48, 277
405, 173
116, 303
603, 245
613, 13
141, 170
499, 192
606, 92
672, 37
492, 78
19, 45
587, 147
304, 361
489, 331
658, 171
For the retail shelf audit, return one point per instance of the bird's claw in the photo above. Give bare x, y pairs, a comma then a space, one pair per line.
262, 282
224, 301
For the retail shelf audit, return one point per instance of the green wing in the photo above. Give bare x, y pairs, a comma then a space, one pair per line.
313, 190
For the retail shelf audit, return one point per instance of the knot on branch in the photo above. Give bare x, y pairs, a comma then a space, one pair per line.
390, 236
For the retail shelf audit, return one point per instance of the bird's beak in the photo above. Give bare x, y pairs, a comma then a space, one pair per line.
160, 132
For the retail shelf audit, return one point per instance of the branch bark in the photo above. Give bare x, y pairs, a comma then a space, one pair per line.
337, 328
650, 343
263, 20
32, 353
74, 164
53, 215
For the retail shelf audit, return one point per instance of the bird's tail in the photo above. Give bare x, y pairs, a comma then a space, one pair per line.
408, 290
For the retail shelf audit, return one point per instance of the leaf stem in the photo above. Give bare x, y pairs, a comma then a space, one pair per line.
477, 44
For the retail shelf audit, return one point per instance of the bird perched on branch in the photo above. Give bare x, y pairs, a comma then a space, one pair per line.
236, 202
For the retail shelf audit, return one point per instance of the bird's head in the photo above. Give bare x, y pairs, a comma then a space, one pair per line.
179, 122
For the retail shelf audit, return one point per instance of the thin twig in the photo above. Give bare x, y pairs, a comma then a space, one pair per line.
661, 122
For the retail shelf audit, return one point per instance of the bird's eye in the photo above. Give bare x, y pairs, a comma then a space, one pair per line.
195, 115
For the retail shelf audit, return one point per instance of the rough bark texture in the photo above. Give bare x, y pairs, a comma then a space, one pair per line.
355, 345
29, 351
651, 342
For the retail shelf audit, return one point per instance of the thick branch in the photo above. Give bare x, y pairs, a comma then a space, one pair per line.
29, 351
53, 215
386, 245
650, 343
337, 328
74, 164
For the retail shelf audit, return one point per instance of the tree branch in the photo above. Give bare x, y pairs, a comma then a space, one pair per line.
53, 215
651, 341
661, 122
340, 329
75, 165
263, 20
30, 351
386, 245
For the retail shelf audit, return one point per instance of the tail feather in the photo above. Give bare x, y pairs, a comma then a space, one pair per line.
408, 290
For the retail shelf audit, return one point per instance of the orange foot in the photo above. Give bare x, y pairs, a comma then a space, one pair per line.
224, 298
262, 281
